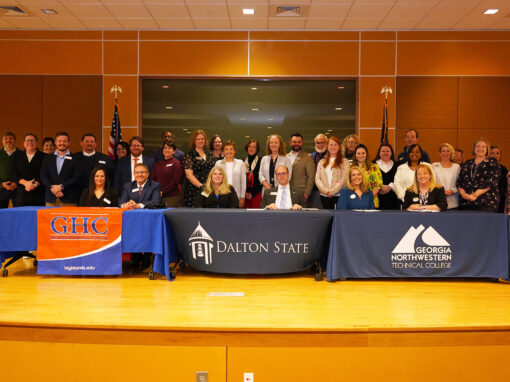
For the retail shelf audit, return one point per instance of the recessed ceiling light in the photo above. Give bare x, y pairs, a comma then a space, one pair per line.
491, 11
270, 119
188, 132
254, 88
49, 11
254, 109
247, 136
248, 11
165, 86
185, 129
169, 107
270, 127
338, 108
330, 130
340, 87
243, 119
326, 133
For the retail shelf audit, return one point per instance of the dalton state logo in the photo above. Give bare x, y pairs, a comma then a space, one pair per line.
429, 236
201, 244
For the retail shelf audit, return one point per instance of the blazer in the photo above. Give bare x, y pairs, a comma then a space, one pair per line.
89, 162
264, 167
404, 177
338, 178
151, 193
296, 197
436, 196
23, 169
349, 200
238, 180
303, 173
108, 199
124, 171
69, 177
229, 200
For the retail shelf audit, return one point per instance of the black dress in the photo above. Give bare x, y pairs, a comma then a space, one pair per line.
229, 200
388, 201
23, 169
201, 168
108, 199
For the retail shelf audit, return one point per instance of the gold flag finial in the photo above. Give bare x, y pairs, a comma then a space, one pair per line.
386, 90
116, 89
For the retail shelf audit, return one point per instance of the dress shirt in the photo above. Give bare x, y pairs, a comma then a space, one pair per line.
228, 170
288, 200
61, 159
293, 155
133, 163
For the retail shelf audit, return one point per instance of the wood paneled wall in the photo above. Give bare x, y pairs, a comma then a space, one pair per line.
374, 58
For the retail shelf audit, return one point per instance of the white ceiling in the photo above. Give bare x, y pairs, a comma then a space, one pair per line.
227, 14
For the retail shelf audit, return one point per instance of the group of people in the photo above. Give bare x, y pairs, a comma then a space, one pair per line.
338, 174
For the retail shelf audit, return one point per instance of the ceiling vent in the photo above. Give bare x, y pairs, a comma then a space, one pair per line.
290, 11
11, 10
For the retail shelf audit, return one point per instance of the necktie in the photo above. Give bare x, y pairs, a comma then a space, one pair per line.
140, 191
283, 200
134, 164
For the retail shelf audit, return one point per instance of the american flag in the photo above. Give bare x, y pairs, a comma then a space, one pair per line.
115, 135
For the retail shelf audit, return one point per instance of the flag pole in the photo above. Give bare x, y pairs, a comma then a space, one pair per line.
384, 131
115, 134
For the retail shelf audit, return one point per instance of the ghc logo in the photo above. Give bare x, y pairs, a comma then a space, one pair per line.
79, 225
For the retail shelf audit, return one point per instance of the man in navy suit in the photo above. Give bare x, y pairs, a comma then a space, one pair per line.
61, 174
125, 171
142, 191
90, 158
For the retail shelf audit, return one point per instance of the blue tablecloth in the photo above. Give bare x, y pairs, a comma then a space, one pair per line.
142, 231
418, 244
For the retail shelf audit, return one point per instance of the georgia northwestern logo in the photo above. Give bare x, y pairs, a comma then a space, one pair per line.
429, 237
201, 244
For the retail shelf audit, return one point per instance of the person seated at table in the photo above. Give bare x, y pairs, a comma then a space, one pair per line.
356, 193
99, 193
425, 193
216, 192
142, 191
282, 197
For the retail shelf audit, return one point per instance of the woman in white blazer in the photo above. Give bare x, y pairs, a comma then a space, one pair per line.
275, 156
331, 174
235, 170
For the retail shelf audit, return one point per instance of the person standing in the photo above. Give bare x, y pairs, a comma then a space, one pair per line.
27, 173
446, 173
388, 167
303, 167
349, 145
252, 165
235, 171
411, 138
125, 171
275, 156
404, 176
61, 174
216, 147
370, 171
48, 145
7, 184
321, 146
168, 173
495, 152
90, 158
167, 137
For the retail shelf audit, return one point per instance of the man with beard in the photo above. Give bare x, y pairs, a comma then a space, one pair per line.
321, 147
303, 179
7, 184
90, 158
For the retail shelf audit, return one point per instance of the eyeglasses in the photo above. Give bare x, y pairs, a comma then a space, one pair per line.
320, 143
168, 136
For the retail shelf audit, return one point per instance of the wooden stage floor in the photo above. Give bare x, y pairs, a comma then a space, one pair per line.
280, 314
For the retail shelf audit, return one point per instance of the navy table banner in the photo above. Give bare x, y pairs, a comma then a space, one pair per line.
250, 242
418, 244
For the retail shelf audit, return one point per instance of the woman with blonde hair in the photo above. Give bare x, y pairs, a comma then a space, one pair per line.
275, 156
197, 165
446, 173
331, 174
425, 193
356, 194
216, 192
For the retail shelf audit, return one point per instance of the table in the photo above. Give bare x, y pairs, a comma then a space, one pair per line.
418, 244
142, 231
250, 241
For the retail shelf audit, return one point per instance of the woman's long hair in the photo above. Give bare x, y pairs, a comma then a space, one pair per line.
363, 186
339, 158
92, 183
355, 162
208, 186
414, 187
283, 148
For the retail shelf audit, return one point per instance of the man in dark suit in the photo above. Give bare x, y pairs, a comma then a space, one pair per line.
125, 171
283, 196
61, 174
90, 158
7, 184
142, 191
411, 138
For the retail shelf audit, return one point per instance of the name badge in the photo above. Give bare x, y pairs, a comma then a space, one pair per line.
353, 196
134, 190
169, 165
198, 158
415, 199
68, 157
101, 161
107, 201
204, 194
273, 193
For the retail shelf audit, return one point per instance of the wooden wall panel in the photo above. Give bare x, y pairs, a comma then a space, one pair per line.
453, 35
215, 58
468, 58
49, 35
427, 103
303, 35
128, 100
371, 101
120, 57
51, 57
484, 103
378, 58
193, 35
21, 106
289, 58
72, 104
372, 137
378, 35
